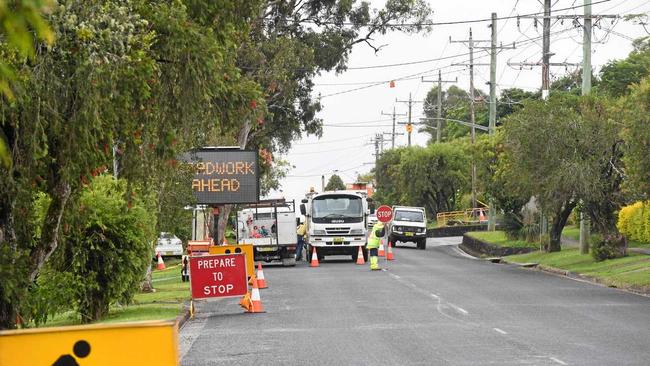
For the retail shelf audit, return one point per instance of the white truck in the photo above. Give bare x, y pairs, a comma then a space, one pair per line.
336, 223
408, 224
270, 226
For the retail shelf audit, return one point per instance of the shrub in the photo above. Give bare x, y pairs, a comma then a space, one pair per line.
634, 221
608, 246
106, 251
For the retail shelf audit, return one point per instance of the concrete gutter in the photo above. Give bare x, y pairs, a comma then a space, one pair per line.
184, 316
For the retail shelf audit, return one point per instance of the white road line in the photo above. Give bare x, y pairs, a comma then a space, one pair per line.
434, 296
500, 331
558, 361
458, 308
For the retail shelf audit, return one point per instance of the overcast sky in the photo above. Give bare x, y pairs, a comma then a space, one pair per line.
347, 147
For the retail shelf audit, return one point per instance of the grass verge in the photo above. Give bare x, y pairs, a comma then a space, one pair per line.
571, 232
631, 272
165, 303
499, 238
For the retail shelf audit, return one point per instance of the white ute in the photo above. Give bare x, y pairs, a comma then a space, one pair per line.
408, 224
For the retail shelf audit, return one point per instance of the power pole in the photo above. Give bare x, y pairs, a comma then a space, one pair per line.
586, 89
546, 48
472, 114
394, 133
546, 45
439, 120
409, 126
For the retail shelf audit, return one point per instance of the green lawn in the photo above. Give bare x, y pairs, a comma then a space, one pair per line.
571, 232
165, 303
632, 271
499, 238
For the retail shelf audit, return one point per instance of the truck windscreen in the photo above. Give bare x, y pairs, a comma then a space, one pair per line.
337, 207
408, 216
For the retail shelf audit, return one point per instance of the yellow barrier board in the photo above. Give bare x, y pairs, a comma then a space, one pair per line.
137, 343
247, 249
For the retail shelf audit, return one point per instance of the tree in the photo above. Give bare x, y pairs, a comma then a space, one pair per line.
106, 249
563, 150
290, 43
143, 79
433, 177
616, 76
335, 183
455, 105
18, 44
635, 114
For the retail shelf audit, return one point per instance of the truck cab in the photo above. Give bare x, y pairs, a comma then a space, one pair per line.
336, 223
270, 226
409, 224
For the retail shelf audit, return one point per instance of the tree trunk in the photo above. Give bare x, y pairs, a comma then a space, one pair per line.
224, 211
147, 283
50, 232
559, 221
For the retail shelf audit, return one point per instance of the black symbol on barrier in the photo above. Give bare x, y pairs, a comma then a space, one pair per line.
237, 250
227, 251
80, 349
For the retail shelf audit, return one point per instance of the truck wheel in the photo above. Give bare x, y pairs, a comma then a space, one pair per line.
422, 243
355, 255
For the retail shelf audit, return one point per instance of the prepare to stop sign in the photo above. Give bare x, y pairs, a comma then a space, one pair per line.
384, 213
218, 276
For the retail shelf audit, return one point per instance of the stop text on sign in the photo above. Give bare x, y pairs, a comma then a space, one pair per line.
218, 276
384, 213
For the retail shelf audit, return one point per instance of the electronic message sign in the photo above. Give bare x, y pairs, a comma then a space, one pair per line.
224, 175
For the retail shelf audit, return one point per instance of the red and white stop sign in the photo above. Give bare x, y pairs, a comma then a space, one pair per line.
384, 213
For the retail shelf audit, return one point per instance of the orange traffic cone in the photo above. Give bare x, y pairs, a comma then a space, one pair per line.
360, 257
389, 255
481, 216
256, 301
261, 281
314, 259
161, 264
382, 253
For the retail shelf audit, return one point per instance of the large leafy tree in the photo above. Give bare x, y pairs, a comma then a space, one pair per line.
635, 112
289, 44
618, 75
128, 81
563, 150
433, 177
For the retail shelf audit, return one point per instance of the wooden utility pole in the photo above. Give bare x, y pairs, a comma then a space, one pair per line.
586, 89
393, 134
439, 120
409, 125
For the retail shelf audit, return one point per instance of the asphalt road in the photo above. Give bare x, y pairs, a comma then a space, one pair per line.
432, 307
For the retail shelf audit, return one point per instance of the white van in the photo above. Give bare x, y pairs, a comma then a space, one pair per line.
409, 224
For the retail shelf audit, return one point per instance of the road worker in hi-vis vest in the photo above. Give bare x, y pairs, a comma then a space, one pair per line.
373, 244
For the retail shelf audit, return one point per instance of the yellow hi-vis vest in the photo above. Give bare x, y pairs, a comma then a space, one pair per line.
373, 239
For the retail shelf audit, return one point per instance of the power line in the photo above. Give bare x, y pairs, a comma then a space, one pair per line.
417, 75
331, 141
454, 22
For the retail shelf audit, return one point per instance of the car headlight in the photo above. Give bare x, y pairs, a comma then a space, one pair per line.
397, 228
423, 229
319, 232
356, 232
